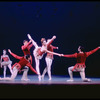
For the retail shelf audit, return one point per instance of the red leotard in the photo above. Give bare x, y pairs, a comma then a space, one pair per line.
26, 49
5, 58
81, 57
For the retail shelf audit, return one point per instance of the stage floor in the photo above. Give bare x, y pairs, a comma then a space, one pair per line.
62, 80
57, 88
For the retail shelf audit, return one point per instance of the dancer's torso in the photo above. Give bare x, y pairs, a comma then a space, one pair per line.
5, 58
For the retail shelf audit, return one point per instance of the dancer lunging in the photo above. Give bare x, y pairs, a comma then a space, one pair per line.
5, 61
80, 65
39, 51
24, 61
49, 59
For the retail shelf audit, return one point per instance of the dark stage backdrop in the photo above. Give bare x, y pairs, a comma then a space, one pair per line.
74, 24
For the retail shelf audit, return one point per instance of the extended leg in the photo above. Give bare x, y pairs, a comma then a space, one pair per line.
37, 68
13, 76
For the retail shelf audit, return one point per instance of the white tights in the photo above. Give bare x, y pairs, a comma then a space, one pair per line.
48, 68
81, 70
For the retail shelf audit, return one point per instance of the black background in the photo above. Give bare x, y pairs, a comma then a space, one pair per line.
73, 22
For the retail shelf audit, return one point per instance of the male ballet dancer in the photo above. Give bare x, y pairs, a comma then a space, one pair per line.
38, 52
49, 59
26, 50
5, 61
80, 65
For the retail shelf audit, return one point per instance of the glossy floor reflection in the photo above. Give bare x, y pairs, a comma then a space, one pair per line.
55, 80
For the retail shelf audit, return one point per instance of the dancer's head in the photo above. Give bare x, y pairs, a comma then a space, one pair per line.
4, 51
43, 41
25, 42
81, 49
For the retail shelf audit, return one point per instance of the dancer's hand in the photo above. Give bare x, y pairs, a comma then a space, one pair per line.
9, 50
54, 37
29, 36
57, 48
62, 55
99, 47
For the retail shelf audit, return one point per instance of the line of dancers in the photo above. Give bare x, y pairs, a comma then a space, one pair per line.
25, 61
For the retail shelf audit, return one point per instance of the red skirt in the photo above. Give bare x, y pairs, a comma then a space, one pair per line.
79, 65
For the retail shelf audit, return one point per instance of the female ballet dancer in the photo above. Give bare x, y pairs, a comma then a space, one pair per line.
5, 61
24, 61
49, 59
80, 65
38, 52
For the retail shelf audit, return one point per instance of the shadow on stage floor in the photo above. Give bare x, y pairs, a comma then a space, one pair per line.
57, 88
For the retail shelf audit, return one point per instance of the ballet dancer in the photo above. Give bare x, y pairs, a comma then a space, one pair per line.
24, 61
38, 52
49, 59
26, 50
5, 61
80, 65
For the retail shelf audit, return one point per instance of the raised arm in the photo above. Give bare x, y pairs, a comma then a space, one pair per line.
14, 55
25, 46
50, 41
30, 46
54, 47
92, 51
33, 42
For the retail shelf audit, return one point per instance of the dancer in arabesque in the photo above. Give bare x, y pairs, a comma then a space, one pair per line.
39, 51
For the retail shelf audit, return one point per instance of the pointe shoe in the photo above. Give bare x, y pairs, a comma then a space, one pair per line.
70, 80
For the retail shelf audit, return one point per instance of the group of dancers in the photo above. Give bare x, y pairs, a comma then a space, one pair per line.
25, 62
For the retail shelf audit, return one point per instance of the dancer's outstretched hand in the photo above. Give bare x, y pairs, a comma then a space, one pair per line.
9, 50
54, 37
62, 55
99, 47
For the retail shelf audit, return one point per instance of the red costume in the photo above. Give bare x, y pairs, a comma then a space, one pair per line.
23, 62
26, 49
40, 53
51, 48
5, 58
81, 58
